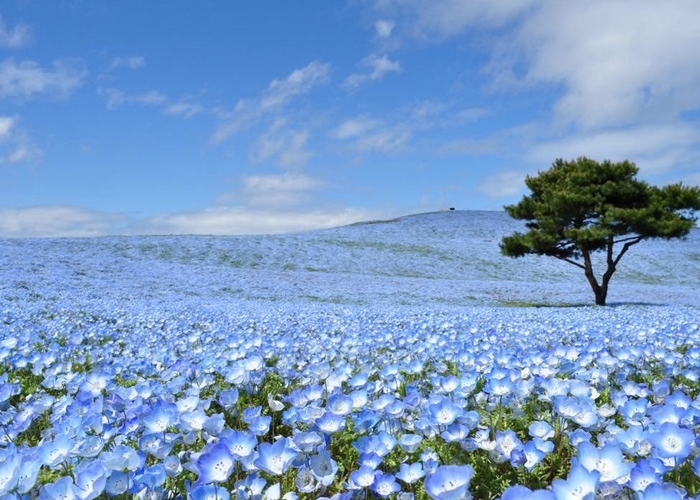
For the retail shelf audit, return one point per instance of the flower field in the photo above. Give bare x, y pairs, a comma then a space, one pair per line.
402, 360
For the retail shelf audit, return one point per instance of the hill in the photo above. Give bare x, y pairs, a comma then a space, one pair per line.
443, 258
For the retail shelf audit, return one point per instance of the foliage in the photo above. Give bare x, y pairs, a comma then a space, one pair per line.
582, 206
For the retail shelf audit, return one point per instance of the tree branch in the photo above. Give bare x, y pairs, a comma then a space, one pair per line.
631, 238
566, 259
625, 248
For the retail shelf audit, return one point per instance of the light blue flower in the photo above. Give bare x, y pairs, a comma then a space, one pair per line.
385, 484
276, 458
215, 465
580, 484
208, 492
62, 488
410, 473
671, 441
449, 482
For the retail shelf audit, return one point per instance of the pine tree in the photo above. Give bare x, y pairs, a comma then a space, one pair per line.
582, 206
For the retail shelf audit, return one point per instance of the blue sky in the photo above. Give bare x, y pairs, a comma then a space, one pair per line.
178, 117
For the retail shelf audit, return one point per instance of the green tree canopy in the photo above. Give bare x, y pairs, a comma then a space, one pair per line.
583, 206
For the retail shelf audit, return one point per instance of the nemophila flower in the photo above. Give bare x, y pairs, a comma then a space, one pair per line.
193, 420
667, 413
276, 458
122, 458
117, 483
409, 442
329, 423
370, 459
633, 439
449, 482
580, 484
410, 473
669, 441
153, 444
306, 481
215, 464
533, 455
323, 467
361, 478
661, 491
240, 443
159, 417
260, 425
63, 488
578, 436
456, 432
385, 484
642, 475
228, 398
607, 460
173, 466
444, 412
339, 404
506, 442
9, 469
90, 479
519, 492
499, 387
208, 492
540, 429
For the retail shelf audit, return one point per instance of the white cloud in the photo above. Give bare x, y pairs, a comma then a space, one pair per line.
287, 146
277, 191
300, 81
27, 78
133, 62
616, 65
6, 124
228, 221
184, 108
503, 184
15, 145
70, 221
379, 66
383, 28
19, 36
654, 148
279, 92
366, 134
446, 18
56, 220
116, 98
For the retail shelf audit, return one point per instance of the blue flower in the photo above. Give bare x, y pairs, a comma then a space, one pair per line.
410, 473
276, 458
208, 492
449, 482
63, 488
90, 479
241, 444
385, 484
444, 412
671, 441
518, 492
361, 478
323, 467
608, 461
215, 465
580, 484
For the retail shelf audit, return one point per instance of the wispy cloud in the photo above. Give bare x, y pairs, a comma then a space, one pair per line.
15, 145
272, 191
57, 220
286, 145
447, 18
378, 65
27, 78
503, 184
116, 98
654, 148
16, 37
383, 28
279, 92
132, 62
184, 107
366, 134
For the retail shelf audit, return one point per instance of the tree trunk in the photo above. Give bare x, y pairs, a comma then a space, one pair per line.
600, 291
